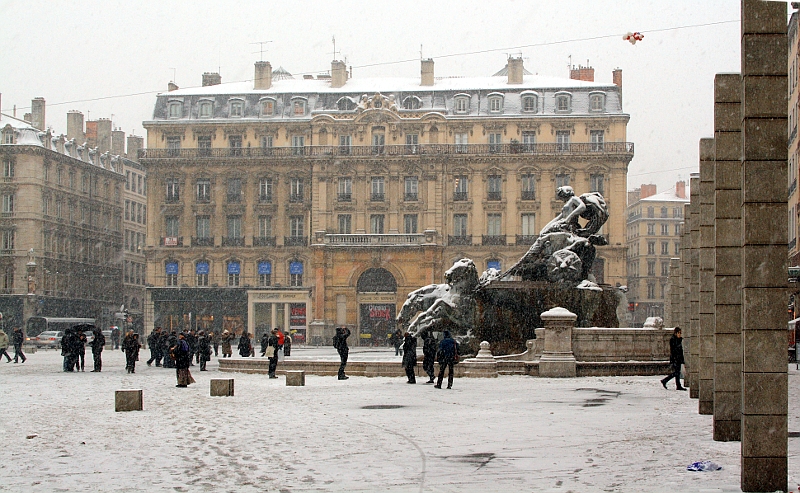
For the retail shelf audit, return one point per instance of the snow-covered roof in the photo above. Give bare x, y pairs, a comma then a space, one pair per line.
666, 196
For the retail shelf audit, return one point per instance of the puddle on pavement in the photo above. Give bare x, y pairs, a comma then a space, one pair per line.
478, 459
383, 406
602, 397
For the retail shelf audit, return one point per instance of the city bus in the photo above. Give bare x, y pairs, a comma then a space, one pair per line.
37, 325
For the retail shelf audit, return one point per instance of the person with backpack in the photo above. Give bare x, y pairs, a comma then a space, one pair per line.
447, 356
340, 343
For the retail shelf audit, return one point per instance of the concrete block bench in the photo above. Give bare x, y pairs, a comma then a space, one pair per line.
221, 387
128, 400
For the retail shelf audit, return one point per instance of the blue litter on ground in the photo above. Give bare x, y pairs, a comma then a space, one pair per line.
703, 465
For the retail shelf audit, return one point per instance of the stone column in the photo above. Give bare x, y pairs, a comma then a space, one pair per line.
705, 362
685, 270
764, 246
557, 358
694, 287
728, 270
674, 299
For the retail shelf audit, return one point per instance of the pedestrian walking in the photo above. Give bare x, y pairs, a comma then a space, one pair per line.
69, 343
447, 356
154, 343
429, 355
203, 349
115, 333
183, 359
397, 342
340, 343
264, 342
272, 352
245, 347
98, 341
227, 351
80, 349
675, 359
18, 340
4, 345
410, 356
130, 346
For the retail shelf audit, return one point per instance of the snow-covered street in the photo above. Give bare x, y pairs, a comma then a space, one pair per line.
512, 433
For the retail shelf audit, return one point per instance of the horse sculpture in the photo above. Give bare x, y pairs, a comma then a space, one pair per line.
451, 304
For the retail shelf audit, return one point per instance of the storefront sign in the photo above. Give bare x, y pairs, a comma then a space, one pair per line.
171, 268
265, 268
201, 268
233, 268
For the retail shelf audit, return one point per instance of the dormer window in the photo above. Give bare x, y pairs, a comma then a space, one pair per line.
346, 103
237, 108
563, 102
495, 103
597, 102
206, 109
267, 107
461, 104
175, 109
530, 103
412, 103
299, 107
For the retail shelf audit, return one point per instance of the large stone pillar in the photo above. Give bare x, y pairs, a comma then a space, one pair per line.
686, 262
728, 270
705, 362
694, 287
764, 246
674, 292
557, 358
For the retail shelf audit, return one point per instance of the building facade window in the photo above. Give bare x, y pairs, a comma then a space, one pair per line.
495, 104
494, 187
562, 140
495, 142
461, 192
376, 224
461, 141
460, 225
528, 187
298, 145
410, 224
677, 230
296, 190
235, 145
234, 273
411, 189
171, 273
530, 104
8, 239
664, 248
345, 186
205, 109
563, 103
267, 107
296, 226
597, 102
203, 227
204, 190
562, 180
264, 273
378, 142
665, 230
597, 139
173, 190
528, 224
378, 189
172, 226
235, 191
596, 183
664, 269
266, 144
651, 267
345, 224
296, 273
299, 107
651, 290
494, 223
234, 227
265, 190
265, 226
461, 104
201, 273
8, 168
651, 247
528, 141
651, 229
175, 109
412, 143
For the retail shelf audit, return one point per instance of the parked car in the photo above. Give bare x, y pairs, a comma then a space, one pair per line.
50, 338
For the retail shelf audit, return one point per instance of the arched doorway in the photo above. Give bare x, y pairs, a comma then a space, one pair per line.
377, 300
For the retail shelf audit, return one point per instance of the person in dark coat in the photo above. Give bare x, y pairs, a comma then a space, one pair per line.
215, 342
675, 359
245, 347
410, 356
68, 344
340, 343
80, 350
264, 343
287, 343
4, 345
130, 345
115, 333
191, 338
397, 342
183, 360
154, 343
447, 356
429, 355
98, 341
272, 352
18, 339
167, 341
203, 349
227, 337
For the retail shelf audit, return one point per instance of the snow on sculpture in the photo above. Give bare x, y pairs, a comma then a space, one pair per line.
451, 303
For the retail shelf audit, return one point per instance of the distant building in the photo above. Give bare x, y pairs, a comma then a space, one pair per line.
654, 228
323, 201
60, 224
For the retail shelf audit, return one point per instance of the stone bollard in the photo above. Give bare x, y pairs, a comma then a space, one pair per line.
128, 400
295, 378
221, 387
483, 365
557, 358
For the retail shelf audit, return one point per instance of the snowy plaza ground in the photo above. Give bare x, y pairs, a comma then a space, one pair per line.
513, 433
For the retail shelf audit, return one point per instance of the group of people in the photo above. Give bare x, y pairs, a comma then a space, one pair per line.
73, 347
17, 338
446, 353
200, 343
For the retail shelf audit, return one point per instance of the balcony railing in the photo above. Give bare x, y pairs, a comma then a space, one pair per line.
377, 197
494, 196
205, 241
232, 242
295, 198
460, 196
528, 195
295, 241
543, 149
265, 198
234, 198
493, 240
373, 239
262, 241
345, 197
459, 240
411, 197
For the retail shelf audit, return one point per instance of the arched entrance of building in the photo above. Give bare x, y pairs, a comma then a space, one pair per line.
377, 301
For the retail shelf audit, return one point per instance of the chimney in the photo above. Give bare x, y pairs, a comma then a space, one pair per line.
263, 78
91, 134
211, 79
172, 86
515, 70
680, 189
103, 135
582, 73
338, 73
37, 108
616, 78
75, 126
134, 144
118, 142
27, 117
647, 191
427, 72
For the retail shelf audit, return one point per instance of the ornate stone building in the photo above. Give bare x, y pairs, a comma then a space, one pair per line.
309, 203
60, 224
655, 221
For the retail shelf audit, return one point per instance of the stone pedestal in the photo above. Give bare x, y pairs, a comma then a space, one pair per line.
557, 358
483, 365
128, 400
221, 387
295, 378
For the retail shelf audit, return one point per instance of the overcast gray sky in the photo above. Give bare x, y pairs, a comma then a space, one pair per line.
93, 56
